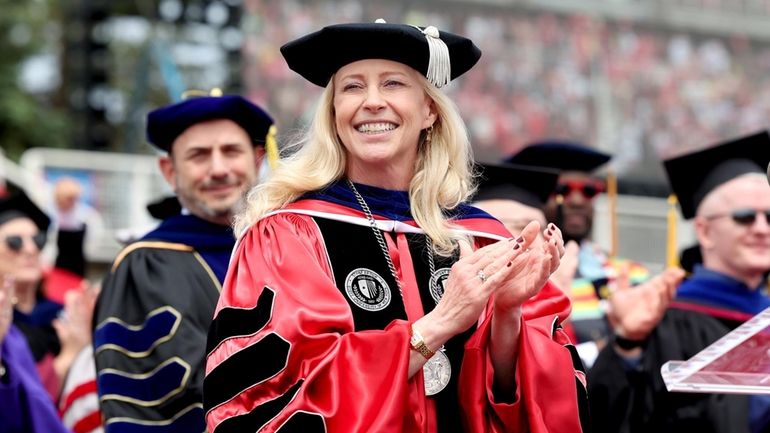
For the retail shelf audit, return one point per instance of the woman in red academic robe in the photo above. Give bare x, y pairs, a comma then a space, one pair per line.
364, 295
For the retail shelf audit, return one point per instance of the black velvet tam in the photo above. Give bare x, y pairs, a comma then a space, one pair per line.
561, 155
165, 124
319, 55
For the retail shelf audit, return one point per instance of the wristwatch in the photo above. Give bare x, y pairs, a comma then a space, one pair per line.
416, 342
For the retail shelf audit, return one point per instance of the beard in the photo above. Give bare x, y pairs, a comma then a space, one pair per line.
211, 210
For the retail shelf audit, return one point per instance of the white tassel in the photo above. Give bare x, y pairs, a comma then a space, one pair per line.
439, 66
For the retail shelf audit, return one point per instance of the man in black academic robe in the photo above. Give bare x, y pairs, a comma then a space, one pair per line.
724, 188
156, 304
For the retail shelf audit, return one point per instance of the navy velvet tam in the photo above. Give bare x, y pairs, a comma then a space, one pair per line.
692, 176
439, 55
18, 205
561, 155
526, 185
165, 124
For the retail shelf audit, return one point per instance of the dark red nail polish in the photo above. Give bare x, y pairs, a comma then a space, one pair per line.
516, 247
520, 239
508, 265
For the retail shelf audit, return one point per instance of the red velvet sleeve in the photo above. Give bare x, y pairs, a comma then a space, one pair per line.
282, 352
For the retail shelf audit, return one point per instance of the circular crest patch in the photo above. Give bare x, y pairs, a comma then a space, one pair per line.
367, 289
437, 281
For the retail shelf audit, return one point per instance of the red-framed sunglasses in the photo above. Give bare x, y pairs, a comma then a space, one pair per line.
588, 188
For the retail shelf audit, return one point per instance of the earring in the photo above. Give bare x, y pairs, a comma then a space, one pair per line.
428, 134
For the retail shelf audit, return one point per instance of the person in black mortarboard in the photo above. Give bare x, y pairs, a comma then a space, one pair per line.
54, 341
571, 204
725, 190
350, 302
24, 229
156, 304
26, 404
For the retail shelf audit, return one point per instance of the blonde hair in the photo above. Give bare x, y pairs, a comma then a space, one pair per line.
443, 176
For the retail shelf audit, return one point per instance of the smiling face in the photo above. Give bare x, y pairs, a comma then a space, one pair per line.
380, 108
739, 250
212, 166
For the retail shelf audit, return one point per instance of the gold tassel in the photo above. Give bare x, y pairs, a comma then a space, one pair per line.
196, 93
672, 257
271, 147
612, 202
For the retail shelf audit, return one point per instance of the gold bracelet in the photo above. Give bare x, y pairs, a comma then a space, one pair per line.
417, 343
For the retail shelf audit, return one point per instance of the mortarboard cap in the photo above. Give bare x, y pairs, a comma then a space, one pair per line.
438, 55
18, 205
165, 207
165, 124
694, 175
530, 186
561, 155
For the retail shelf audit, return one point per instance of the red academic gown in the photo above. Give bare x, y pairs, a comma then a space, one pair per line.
290, 350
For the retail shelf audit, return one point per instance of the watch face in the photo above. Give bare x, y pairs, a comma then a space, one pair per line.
414, 340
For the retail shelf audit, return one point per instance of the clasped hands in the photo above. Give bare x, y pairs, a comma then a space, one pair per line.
511, 271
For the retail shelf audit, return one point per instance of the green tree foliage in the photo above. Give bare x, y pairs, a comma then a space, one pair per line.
27, 120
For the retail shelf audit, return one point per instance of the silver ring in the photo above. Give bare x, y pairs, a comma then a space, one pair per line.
482, 276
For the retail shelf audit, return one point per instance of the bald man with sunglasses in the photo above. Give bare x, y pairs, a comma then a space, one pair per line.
725, 191
726, 194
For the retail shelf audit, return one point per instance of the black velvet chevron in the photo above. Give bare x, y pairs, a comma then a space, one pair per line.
260, 415
236, 322
252, 365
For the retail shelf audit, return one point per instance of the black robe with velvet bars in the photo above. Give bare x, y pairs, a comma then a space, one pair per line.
151, 322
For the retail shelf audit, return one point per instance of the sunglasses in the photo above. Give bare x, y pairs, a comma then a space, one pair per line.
16, 242
588, 189
743, 217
